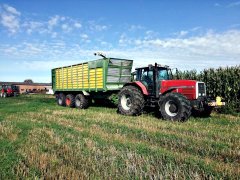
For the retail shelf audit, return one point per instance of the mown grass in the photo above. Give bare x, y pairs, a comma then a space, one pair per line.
39, 139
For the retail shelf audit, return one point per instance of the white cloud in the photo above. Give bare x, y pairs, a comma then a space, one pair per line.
33, 26
77, 25
9, 18
203, 51
84, 36
54, 35
11, 10
234, 4
135, 27
96, 27
208, 44
66, 28
217, 5
53, 21
182, 33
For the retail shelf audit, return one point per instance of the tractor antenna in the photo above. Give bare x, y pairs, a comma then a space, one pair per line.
100, 54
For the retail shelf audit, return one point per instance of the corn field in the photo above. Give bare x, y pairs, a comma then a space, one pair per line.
223, 82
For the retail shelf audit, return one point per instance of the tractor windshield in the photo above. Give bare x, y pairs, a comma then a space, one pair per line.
164, 74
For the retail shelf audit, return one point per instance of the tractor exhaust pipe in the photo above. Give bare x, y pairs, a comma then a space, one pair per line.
155, 80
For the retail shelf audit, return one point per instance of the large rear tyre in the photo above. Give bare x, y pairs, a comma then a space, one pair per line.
130, 101
70, 101
61, 99
175, 107
81, 101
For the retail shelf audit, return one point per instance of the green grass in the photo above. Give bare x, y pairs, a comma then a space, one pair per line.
39, 139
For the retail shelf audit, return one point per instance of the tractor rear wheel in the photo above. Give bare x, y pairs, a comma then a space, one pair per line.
175, 107
61, 99
130, 101
81, 101
70, 100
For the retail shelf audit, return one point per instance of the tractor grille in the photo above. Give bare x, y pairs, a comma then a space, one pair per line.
201, 89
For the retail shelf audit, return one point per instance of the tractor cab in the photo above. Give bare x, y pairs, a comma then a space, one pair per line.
151, 77
8, 90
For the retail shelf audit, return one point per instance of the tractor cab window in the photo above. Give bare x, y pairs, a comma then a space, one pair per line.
163, 74
147, 77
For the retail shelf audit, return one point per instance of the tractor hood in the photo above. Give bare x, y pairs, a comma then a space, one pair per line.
185, 87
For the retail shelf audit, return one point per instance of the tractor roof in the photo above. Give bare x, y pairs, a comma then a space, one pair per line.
151, 66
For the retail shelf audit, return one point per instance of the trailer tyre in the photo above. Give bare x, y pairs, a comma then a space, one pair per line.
81, 101
70, 101
130, 101
175, 107
61, 99
4, 95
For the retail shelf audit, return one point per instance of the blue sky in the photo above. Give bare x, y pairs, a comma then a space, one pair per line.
36, 36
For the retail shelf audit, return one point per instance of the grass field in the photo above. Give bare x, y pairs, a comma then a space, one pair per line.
39, 139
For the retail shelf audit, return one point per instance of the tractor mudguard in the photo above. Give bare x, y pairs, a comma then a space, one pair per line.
140, 86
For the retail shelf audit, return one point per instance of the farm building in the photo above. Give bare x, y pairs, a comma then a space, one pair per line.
29, 86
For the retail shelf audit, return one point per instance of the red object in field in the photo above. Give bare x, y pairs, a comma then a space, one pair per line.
156, 87
8, 90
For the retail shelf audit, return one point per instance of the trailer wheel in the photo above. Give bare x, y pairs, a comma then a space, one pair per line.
70, 100
4, 95
61, 99
175, 107
81, 101
130, 101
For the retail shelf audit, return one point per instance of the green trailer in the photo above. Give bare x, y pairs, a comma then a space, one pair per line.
78, 84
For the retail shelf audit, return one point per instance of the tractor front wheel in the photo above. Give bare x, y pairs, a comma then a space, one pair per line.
175, 107
130, 101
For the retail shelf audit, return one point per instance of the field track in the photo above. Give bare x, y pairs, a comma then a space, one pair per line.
39, 139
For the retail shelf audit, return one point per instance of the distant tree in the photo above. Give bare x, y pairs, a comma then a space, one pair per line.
28, 81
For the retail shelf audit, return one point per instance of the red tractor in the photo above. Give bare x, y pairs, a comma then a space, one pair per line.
174, 99
8, 90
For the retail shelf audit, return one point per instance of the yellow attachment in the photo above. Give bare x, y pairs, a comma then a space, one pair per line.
219, 101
